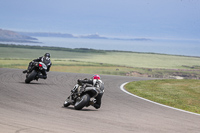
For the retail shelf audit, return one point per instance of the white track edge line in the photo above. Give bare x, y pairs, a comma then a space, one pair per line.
122, 88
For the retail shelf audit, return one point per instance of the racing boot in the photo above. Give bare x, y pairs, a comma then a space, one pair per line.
29, 69
25, 71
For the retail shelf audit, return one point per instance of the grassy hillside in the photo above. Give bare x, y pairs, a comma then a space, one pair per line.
104, 62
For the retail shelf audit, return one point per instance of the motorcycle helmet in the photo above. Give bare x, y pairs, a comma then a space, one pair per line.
96, 76
46, 59
47, 55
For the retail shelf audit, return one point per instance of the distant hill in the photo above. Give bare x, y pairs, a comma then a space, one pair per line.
65, 35
11, 36
46, 34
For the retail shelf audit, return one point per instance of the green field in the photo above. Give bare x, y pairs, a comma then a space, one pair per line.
128, 59
182, 94
104, 62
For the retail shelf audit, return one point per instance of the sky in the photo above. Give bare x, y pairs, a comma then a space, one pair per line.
173, 19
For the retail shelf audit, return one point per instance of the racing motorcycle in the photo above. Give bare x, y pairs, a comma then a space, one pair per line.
38, 67
80, 97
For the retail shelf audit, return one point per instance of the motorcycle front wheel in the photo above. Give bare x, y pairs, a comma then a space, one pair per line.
83, 101
30, 76
66, 103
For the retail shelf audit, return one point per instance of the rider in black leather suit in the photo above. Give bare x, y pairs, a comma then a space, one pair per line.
46, 60
96, 82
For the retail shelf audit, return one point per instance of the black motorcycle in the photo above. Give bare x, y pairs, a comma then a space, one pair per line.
38, 67
81, 96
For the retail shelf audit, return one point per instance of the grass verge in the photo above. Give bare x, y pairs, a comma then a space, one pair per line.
182, 94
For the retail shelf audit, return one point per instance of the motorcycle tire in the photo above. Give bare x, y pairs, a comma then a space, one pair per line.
66, 103
84, 100
31, 76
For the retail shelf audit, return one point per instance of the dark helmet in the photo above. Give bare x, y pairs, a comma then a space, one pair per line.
47, 55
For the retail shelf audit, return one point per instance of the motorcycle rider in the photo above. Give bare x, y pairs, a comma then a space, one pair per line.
95, 81
45, 59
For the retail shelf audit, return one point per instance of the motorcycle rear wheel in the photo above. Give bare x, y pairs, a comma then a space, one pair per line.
31, 76
83, 101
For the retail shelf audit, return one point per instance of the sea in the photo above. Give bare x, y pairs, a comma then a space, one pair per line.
162, 46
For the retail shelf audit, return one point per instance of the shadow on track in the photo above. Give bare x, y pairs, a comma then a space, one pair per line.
33, 83
84, 109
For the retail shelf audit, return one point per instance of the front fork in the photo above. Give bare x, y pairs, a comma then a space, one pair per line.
71, 99
75, 95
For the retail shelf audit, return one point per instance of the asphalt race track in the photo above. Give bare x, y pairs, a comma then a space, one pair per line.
37, 108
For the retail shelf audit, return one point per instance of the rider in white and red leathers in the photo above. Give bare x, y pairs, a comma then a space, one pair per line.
96, 82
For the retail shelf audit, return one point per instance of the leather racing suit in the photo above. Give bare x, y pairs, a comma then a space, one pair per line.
99, 86
46, 61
